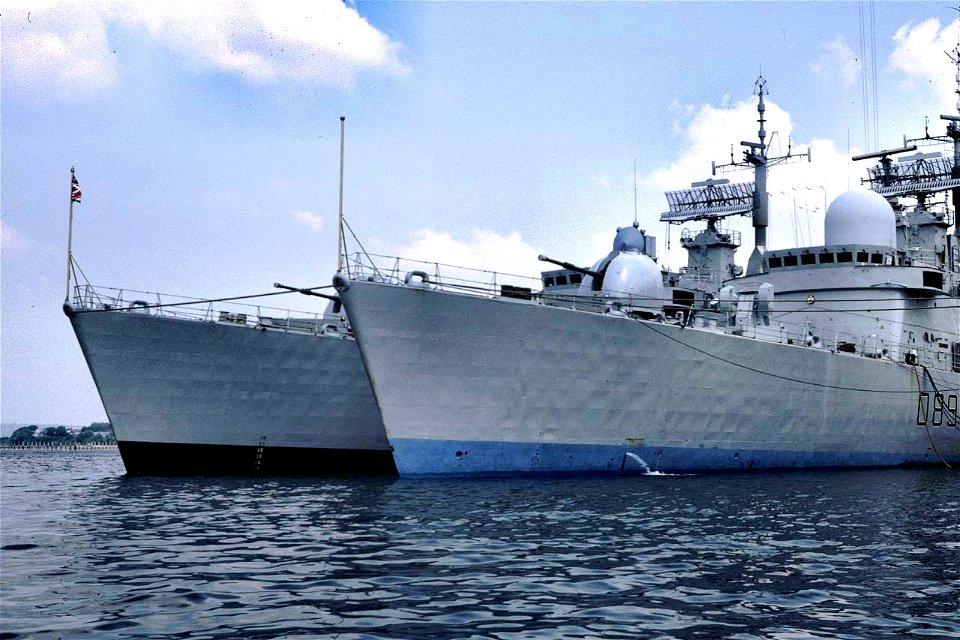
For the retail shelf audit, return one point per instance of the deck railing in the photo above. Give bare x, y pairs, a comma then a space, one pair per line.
450, 278
436, 275
91, 298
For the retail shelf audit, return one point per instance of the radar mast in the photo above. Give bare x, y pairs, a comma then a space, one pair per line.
755, 155
713, 199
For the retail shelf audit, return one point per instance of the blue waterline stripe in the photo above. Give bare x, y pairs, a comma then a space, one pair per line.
486, 458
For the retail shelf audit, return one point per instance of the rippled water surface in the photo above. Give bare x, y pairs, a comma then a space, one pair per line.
89, 552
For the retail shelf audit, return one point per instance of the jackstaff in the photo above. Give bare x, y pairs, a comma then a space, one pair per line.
75, 196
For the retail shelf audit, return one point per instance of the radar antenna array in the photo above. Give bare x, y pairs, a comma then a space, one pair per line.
710, 199
919, 174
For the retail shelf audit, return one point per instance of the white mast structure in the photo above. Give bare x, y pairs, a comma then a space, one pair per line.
341, 249
755, 155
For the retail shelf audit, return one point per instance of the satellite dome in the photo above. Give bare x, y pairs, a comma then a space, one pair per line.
634, 275
860, 217
630, 239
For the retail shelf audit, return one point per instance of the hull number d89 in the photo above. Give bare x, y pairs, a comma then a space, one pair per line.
936, 410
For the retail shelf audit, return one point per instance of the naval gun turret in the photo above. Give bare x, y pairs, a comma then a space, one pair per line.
627, 280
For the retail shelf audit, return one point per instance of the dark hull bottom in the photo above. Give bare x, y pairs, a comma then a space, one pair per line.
163, 459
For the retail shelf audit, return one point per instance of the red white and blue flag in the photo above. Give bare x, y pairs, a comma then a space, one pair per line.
74, 189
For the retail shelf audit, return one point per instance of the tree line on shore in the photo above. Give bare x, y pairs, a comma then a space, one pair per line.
95, 433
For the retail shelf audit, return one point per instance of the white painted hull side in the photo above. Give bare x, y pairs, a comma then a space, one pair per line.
468, 385
185, 396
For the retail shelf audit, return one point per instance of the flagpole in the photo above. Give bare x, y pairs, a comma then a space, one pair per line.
340, 246
66, 298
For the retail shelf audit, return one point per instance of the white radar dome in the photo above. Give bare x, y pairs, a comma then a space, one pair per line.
860, 217
634, 275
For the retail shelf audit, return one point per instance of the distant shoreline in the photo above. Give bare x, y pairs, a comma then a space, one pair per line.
7, 428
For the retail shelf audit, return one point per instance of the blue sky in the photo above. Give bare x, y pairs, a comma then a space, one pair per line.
205, 138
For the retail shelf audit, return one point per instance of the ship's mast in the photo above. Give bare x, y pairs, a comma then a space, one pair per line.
755, 155
953, 132
340, 247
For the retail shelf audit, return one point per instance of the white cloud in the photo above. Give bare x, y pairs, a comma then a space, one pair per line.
56, 49
55, 52
480, 251
837, 58
920, 54
312, 221
324, 41
13, 240
709, 134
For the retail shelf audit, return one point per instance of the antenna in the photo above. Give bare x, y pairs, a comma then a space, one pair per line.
884, 153
759, 89
636, 220
341, 249
953, 132
916, 175
709, 200
755, 155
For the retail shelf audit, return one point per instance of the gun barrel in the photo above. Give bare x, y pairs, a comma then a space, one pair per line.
571, 267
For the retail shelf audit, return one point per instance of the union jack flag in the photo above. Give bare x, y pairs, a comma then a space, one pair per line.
74, 189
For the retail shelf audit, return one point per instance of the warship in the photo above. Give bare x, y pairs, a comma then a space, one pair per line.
193, 388
212, 387
840, 355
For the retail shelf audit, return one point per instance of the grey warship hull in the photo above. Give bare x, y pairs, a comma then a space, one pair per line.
191, 397
468, 385
845, 354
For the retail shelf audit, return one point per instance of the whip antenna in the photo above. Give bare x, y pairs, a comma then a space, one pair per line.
341, 248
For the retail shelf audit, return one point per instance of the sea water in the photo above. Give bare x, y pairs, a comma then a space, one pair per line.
88, 552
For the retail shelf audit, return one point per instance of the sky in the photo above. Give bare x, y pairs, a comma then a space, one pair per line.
205, 138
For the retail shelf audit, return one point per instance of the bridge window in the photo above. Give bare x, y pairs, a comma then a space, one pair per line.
576, 278
808, 258
845, 256
561, 280
876, 258
861, 256
789, 261
548, 281
826, 258
775, 262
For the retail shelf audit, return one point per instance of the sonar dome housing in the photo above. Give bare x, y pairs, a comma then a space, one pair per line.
860, 217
